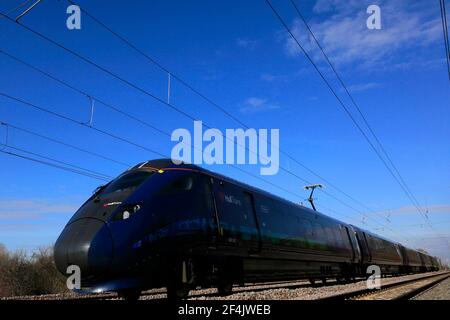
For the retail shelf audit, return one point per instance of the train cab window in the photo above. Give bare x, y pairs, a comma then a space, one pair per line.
127, 182
181, 184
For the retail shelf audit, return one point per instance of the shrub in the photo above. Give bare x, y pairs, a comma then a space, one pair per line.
35, 274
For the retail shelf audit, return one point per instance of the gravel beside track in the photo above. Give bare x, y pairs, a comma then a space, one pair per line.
306, 292
441, 291
286, 290
403, 291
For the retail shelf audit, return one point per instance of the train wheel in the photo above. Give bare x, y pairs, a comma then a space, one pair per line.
129, 295
178, 278
225, 289
177, 292
312, 281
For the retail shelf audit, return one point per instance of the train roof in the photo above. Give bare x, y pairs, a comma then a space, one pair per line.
168, 163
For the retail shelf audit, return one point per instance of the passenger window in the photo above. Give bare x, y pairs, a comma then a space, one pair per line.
248, 211
338, 235
306, 229
330, 236
319, 233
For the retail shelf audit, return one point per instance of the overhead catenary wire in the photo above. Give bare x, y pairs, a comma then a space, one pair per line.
95, 154
355, 104
207, 99
109, 134
76, 167
20, 5
349, 114
445, 34
40, 108
158, 99
84, 93
119, 138
158, 64
86, 174
220, 108
62, 165
106, 104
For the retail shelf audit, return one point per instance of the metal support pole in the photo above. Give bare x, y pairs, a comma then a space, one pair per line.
168, 88
91, 119
5, 145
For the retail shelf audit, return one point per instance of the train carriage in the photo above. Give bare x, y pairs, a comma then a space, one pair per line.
180, 226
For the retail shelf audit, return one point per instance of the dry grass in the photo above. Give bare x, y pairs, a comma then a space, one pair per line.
22, 274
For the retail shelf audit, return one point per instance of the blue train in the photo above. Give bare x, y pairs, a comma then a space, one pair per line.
180, 226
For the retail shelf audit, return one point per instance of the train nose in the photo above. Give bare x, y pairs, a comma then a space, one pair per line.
86, 243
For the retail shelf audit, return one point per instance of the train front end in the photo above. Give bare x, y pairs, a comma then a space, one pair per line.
123, 236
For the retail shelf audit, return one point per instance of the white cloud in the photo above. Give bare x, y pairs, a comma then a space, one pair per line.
246, 43
363, 86
254, 104
268, 77
412, 210
32, 208
347, 40
323, 6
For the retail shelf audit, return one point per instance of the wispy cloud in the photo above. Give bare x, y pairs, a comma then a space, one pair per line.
254, 105
435, 245
32, 208
271, 77
411, 210
363, 86
347, 40
246, 43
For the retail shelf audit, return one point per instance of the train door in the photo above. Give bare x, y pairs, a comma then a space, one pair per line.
366, 244
404, 255
212, 199
250, 209
236, 215
362, 243
356, 257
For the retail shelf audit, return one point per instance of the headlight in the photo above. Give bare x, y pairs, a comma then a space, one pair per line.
125, 214
127, 211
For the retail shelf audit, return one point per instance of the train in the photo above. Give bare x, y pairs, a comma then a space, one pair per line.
180, 226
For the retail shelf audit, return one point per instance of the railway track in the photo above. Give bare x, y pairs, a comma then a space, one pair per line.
401, 290
157, 294
354, 290
160, 293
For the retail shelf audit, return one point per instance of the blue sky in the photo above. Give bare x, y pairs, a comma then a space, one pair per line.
237, 54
